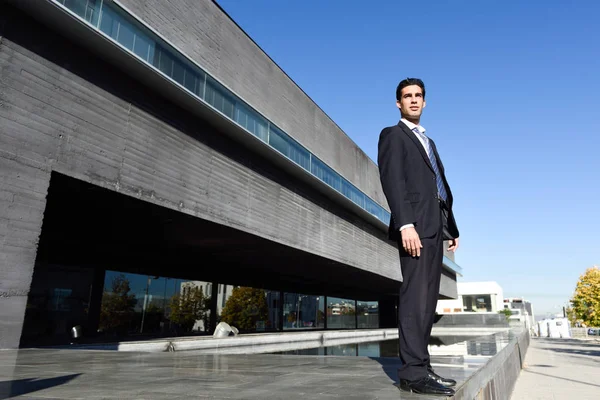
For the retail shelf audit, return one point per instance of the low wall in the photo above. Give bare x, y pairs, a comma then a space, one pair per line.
496, 379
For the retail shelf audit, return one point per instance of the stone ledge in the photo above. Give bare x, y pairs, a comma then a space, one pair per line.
271, 342
497, 378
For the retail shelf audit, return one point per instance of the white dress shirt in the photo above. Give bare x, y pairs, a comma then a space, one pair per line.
412, 126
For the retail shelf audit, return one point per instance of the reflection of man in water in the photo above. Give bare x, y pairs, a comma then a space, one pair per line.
420, 200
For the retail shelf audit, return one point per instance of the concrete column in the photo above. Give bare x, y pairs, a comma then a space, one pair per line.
214, 298
23, 189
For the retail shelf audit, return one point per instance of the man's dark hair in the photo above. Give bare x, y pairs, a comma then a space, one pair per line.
409, 82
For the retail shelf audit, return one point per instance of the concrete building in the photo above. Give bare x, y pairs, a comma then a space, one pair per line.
148, 143
521, 310
477, 297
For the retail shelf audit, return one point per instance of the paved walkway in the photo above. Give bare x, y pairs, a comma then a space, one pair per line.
94, 375
560, 369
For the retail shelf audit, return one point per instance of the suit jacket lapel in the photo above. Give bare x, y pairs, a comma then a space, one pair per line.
419, 145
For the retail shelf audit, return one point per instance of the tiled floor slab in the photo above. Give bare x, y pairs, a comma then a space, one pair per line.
75, 374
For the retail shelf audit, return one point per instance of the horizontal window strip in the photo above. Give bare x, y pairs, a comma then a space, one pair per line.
122, 28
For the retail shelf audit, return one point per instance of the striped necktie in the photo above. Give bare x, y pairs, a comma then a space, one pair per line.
438, 177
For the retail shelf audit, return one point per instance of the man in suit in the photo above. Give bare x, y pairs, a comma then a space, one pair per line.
420, 200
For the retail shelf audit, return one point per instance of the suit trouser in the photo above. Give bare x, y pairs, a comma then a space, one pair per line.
419, 292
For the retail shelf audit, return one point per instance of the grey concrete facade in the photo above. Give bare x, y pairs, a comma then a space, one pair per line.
201, 30
63, 110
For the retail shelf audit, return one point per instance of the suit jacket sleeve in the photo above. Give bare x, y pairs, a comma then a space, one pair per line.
393, 180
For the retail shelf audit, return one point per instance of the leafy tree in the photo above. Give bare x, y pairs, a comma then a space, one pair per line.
189, 306
570, 312
348, 311
117, 308
507, 313
245, 307
586, 300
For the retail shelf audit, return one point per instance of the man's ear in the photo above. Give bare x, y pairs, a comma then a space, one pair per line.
424, 103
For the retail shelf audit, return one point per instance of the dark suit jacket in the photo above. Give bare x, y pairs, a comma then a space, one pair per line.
409, 184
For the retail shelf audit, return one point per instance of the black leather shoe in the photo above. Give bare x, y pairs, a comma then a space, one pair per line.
425, 385
442, 381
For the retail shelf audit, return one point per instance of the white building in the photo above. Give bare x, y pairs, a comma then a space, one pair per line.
521, 311
474, 297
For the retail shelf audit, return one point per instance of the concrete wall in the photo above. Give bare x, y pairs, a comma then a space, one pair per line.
203, 32
64, 110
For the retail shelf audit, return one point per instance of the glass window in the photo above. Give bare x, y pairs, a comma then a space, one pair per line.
251, 121
190, 80
251, 309
109, 22
368, 314
288, 147
326, 174
178, 71
218, 97
477, 303
126, 35
86, 9
353, 194
303, 311
373, 208
143, 47
341, 313
135, 304
164, 61
58, 300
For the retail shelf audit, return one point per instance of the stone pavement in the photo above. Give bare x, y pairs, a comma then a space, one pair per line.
362, 371
84, 374
560, 369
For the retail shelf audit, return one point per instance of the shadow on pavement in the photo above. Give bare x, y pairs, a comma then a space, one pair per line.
561, 378
19, 387
581, 352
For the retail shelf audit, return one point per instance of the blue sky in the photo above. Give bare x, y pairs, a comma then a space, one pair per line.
513, 91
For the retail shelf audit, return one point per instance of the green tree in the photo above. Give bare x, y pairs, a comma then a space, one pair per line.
189, 306
245, 307
507, 313
570, 312
586, 300
117, 308
348, 311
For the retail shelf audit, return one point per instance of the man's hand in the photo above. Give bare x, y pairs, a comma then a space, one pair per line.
453, 245
411, 242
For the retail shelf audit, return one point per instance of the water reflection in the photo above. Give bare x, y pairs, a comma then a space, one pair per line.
484, 346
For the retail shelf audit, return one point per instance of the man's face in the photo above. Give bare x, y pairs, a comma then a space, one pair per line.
411, 102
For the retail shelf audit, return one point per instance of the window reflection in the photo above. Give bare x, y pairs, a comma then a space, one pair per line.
367, 314
145, 304
326, 174
341, 313
218, 97
477, 303
58, 300
303, 311
251, 121
251, 310
289, 147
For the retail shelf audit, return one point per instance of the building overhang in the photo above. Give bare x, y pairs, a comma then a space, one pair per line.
63, 20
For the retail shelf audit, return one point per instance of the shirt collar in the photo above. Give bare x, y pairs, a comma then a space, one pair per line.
412, 126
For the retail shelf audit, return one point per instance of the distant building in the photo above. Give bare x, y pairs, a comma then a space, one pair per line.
521, 310
484, 297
